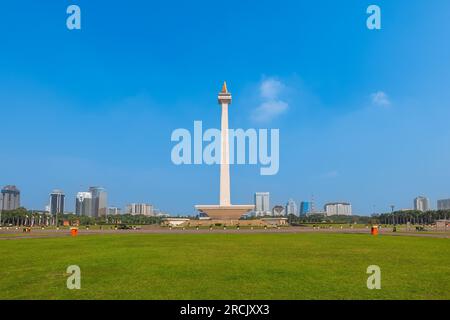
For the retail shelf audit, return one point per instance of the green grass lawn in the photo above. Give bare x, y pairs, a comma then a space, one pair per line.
225, 266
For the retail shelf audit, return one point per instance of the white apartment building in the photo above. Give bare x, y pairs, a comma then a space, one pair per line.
421, 204
140, 208
338, 209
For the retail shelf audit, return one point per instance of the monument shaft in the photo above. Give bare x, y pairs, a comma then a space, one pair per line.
225, 159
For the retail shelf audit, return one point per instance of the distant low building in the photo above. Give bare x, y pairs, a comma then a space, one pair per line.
175, 222
338, 209
275, 221
140, 208
443, 204
318, 213
162, 215
114, 211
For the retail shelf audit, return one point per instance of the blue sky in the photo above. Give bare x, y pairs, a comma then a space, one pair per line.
363, 115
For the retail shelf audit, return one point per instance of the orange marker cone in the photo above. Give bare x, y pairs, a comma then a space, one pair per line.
374, 230
74, 232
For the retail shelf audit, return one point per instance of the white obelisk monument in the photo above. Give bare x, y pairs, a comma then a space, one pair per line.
224, 100
225, 210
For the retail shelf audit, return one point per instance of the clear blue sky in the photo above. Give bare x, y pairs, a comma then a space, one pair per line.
364, 115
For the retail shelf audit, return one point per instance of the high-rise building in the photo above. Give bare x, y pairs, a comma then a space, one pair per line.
305, 208
57, 198
443, 204
338, 209
262, 204
140, 208
10, 198
99, 201
291, 207
421, 204
83, 204
113, 211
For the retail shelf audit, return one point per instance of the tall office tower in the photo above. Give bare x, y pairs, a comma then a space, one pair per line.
262, 205
10, 198
83, 204
305, 208
57, 198
421, 204
443, 204
140, 208
99, 201
291, 207
338, 209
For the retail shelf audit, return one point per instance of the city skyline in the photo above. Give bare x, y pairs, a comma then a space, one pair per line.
58, 203
362, 114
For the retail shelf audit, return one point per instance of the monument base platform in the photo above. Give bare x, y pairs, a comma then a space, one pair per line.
225, 222
192, 223
231, 212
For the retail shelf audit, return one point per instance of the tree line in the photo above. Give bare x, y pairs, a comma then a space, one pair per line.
24, 217
396, 217
413, 217
320, 218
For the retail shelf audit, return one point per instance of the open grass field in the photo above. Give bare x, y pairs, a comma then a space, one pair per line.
225, 266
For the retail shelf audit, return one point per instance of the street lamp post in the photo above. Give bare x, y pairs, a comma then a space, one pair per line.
1, 210
392, 213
